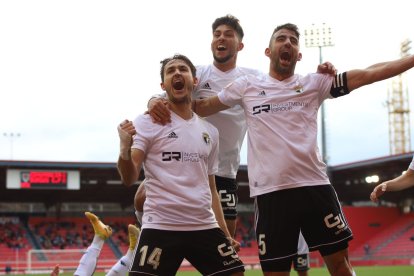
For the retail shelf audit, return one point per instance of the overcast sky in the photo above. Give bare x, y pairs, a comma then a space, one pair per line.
70, 71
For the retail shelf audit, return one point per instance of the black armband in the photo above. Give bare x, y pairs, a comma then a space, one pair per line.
339, 86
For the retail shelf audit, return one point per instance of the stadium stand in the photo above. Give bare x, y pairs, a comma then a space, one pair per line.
44, 217
396, 239
367, 222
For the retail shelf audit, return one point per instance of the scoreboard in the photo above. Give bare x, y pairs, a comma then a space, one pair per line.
42, 179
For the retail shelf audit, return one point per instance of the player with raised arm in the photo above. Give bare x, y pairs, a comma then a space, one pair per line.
287, 176
182, 212
226, 43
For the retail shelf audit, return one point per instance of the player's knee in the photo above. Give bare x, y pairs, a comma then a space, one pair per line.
338, 263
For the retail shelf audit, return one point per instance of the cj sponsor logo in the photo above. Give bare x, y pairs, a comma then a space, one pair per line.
337, 222
228, 199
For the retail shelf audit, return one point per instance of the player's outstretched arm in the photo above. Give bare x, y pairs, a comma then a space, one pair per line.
158, 109
399, 183
377, 72
208, 106
326, 68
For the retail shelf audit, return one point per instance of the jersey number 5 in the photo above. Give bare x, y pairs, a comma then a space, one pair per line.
262, 244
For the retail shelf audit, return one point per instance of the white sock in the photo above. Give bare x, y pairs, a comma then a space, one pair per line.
87, 263
97, 242
130, 255
121, 268
353, 273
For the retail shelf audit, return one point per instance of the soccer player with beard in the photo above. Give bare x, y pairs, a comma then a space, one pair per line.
231, 124
226, 43
182, 212
287, 176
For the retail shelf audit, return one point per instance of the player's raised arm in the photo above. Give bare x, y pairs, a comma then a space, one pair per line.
129, 161
377, 72
208, 106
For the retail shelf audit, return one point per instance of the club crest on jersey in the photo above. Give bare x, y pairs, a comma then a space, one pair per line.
298, 87
206, 138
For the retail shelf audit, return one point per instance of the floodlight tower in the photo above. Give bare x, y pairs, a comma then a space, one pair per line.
320, 36
11, 136
399, 110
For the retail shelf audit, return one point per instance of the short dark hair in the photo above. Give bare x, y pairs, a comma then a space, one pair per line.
180, 57
287, 26
231, 21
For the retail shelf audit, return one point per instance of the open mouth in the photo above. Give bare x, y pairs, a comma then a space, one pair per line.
285, 56
221, 48
178, 84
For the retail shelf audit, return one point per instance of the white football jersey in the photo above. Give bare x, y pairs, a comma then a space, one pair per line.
282, 129
179, 157
230, 123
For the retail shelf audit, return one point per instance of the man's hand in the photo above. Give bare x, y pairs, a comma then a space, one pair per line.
158, 109
378, 191
327, 68
125, 130
235, 244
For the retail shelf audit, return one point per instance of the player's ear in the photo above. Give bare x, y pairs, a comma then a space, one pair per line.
299, 56
195, 81
240, 47
267, 52
162, 86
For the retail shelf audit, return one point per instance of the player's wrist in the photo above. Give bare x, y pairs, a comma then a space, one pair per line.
125, 154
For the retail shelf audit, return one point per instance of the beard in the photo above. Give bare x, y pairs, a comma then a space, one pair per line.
222, 59
183, 100
283, 70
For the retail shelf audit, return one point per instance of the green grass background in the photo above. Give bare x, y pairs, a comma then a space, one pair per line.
360, 271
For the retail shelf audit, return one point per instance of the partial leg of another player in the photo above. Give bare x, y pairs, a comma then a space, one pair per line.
123, 265
87, 263
301, 262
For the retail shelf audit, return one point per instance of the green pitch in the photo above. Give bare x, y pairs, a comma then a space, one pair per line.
362, 270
